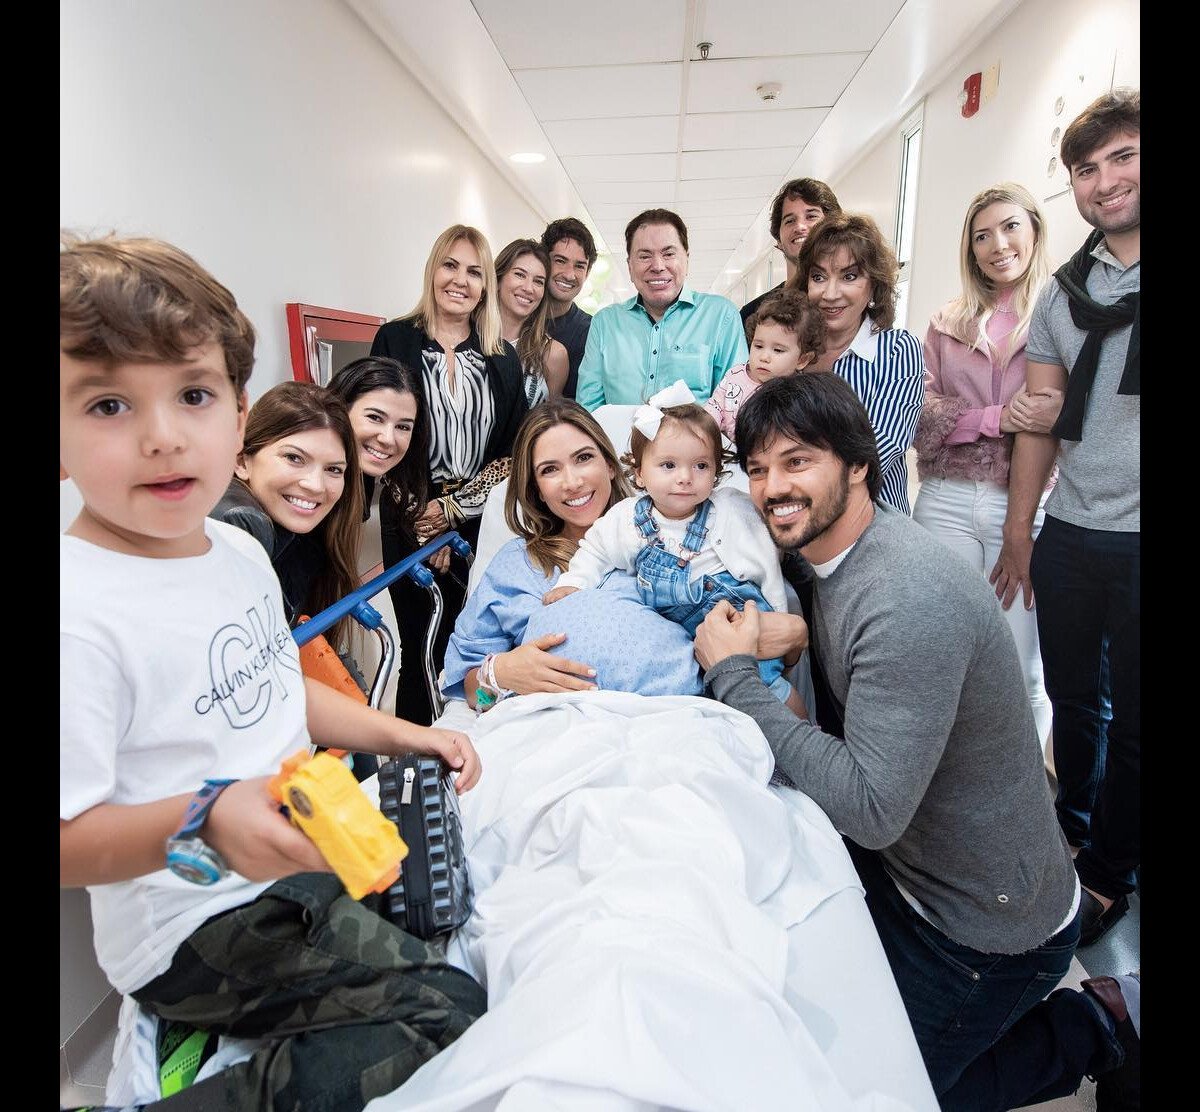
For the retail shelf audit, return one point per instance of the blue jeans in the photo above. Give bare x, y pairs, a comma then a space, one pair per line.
665, 583
959, 1001
1044, 1055
1087, 583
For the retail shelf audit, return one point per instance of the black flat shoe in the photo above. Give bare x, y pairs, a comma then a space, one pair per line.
1095, 921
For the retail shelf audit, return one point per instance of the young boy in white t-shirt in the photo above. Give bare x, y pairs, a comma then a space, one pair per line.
181, 691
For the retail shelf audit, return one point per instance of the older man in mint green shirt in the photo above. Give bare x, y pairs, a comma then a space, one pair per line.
668, 331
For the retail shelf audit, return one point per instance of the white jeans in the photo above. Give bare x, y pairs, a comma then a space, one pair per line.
968, 518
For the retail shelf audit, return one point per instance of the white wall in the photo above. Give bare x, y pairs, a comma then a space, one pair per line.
1074, 49
870, 185
279, 143
1043, 48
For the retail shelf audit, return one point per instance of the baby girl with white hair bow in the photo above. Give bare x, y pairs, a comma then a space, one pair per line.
689, 544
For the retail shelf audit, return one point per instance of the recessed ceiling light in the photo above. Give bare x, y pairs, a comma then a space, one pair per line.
527, 156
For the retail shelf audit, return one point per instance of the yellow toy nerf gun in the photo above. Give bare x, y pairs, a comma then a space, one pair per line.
361, 844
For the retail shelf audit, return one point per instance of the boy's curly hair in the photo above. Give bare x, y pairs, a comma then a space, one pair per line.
140, 300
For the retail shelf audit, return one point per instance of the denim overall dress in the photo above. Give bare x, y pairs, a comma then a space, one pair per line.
665, 583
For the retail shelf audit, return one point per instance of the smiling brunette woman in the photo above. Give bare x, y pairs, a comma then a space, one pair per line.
975, 398
296, 490
521, 270
472, 390
849, 272
387, 411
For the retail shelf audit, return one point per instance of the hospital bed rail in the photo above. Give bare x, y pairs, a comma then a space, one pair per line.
357, 605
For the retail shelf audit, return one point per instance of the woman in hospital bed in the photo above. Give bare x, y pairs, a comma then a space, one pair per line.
656, 926
565, 475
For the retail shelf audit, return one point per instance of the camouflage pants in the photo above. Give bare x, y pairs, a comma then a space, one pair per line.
352, 1004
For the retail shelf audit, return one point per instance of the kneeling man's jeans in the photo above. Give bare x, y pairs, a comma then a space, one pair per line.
959, 1000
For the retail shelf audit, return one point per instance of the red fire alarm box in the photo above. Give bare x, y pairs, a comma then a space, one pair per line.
970, 95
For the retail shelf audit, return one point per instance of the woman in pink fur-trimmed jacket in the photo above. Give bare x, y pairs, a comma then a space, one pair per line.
975, 398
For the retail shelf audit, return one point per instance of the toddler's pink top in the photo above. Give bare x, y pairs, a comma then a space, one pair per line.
730, 395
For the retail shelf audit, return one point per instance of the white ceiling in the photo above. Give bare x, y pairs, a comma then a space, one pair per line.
616, 94
624, 80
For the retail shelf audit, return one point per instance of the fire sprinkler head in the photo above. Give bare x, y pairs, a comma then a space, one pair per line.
769, 90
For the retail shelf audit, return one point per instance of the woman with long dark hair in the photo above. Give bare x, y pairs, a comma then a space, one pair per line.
565, 475
296, 489
388, 414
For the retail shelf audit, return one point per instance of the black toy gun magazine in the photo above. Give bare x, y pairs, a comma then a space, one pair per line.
432, 896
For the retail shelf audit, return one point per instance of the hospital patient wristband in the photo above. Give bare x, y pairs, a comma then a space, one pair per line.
489, 692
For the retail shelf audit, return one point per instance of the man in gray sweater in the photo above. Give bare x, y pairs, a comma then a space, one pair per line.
926, 758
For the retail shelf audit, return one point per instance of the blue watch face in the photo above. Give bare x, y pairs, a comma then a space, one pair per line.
194, 861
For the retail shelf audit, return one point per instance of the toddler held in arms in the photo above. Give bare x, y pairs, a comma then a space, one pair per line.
690, 545
785, 335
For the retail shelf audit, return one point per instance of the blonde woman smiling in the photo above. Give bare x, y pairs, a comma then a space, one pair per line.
472, 386
975, 398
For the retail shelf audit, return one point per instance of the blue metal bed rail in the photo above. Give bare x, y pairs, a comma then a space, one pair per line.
357, 606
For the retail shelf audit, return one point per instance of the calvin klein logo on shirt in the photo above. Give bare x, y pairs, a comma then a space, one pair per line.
244, 662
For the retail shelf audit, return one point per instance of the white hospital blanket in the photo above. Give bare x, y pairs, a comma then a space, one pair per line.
656, 928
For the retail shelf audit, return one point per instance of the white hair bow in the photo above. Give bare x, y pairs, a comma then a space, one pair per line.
649, 416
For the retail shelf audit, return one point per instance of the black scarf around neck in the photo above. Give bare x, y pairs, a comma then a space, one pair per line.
1097, 321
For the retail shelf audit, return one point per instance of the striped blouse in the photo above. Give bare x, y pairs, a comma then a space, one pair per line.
536, 388
459, 422
887, 371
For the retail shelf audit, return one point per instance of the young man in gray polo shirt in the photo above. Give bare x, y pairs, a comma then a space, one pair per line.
1086, 564
925, 756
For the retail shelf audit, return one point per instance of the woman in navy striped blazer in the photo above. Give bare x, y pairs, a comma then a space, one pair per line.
847, 269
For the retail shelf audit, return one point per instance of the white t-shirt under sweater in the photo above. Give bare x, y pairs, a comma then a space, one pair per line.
737, 541
171, 672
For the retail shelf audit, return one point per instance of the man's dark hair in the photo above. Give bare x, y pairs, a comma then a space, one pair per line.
808, 190
820, 409
655, 216
570, 228
1118, 112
